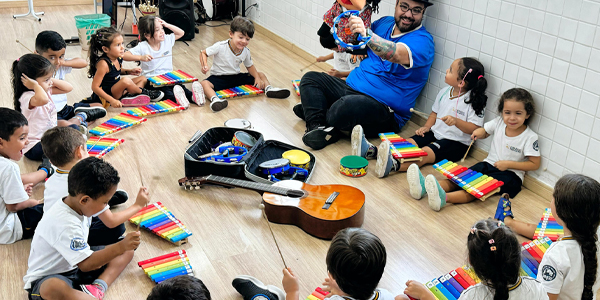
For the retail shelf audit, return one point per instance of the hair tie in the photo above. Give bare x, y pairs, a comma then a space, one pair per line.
493, 247
18, 58
500, 223
473, 230
480, 76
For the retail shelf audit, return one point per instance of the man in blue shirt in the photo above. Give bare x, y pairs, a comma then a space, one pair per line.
377, 95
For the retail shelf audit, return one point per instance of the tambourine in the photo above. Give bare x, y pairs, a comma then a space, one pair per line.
281, 166
243, 139
224, 154
363, 40
298, 158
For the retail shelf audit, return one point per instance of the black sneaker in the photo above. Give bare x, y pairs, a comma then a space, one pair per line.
92, 113
119, 197
273, 92
217, 104
252, 289
320, 137
154, 95
299, 110
46, 166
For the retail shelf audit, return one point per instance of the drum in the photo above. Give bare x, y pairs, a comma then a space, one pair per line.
354, 166
238, 123
298, 158
243, 139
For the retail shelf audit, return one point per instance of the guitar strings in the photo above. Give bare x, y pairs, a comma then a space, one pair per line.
262, 206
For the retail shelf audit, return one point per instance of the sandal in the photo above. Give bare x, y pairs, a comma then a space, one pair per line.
503, 203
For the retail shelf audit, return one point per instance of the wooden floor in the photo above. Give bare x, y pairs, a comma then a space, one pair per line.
229, 236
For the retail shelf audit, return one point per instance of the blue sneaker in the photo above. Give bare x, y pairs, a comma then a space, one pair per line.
253, 289
416, 182
385, 161
360, 146
436, 194
501, 211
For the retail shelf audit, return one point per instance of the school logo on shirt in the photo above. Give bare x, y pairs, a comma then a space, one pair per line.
548, 273
166, 53
535, 146
460, 112
78, 244
514, 149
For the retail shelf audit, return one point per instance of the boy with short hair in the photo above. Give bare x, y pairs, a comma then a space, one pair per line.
62, 265
65, 147
180, 288
52, 46
225, 73
19, 215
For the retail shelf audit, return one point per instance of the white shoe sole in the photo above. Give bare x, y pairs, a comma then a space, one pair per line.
383, 152
412, 175
271, 288
180, 97
198, 93
433, 196
356, 140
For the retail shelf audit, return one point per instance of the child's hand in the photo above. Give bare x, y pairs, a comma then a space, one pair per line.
449, 120
321, 59
259, 83
28, 82
334, 73
502, 165
146, 57
290, 281
161, 21
421, 131
142, 197
135, 71
478, 133
115, 103
331, 286
28, 189
417, 290
205, 69
131, 241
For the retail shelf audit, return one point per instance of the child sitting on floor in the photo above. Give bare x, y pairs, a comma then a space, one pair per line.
225, 71
514, 151
62, 265
19, 214
343, 63
65, 148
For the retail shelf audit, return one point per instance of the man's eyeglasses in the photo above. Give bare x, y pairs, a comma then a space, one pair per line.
415, 10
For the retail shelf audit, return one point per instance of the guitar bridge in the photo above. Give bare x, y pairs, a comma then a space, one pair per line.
330, 200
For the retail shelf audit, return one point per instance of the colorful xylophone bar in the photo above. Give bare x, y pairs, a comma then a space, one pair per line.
296, 84
116, 123
99, 146
158, 219
242, 90
548, 227
171, 78
167, 266
479, 185
166, 106
401, 148
318, 294
452, 284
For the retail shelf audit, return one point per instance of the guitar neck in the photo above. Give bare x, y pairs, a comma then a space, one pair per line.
255, 186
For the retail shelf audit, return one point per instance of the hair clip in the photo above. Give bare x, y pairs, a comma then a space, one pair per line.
18, 58
500, 223
473, 230
493, 248
480, 76
491, 241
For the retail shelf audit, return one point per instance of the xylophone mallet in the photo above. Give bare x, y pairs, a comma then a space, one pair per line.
463, 159
422, 114
262, 208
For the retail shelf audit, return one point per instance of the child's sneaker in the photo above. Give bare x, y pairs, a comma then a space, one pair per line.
504, 208
46, 166
435, 193
180, 96
360, 145
154, 95
416, 182
320, 137
92, 113
83, 129
273, 92
198, 93
217, 104
253, 289
92, 290
119, 197
385, 161
299, 110
135, 100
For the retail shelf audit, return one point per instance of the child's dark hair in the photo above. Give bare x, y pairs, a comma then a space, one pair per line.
374, 4
59, 144
11, 120
102, 38
243, 25
49, 39
146, 26
495, 255
475, 82
92, 177
519, 95
32, 65
356, 259
577, 202
180, 288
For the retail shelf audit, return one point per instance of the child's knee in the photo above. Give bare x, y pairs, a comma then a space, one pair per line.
127, 81
206, 84
55, 288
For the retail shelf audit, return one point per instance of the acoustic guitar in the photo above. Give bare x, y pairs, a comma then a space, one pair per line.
320, 210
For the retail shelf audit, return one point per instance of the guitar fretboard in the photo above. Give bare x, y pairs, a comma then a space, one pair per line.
249, 185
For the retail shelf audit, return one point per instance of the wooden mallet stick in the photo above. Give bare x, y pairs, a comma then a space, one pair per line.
463, 159
422, 114
262, 208
18, 42
308, 66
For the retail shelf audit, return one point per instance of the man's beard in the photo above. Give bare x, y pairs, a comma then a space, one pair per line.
407, 28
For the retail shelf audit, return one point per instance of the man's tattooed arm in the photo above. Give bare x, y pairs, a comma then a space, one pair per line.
388, 50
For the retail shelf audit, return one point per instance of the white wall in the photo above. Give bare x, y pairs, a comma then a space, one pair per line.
549, 47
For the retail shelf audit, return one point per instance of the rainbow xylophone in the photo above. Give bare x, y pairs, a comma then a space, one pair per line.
296, 84
99, 146
116, 123
402, 149
318, 294
242, 90
167, 266
479, 185
171, 78
548, 227
166, 106
452, 284
158, 219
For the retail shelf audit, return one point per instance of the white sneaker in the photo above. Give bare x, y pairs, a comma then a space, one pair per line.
198, 93
273, 92
180, 96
